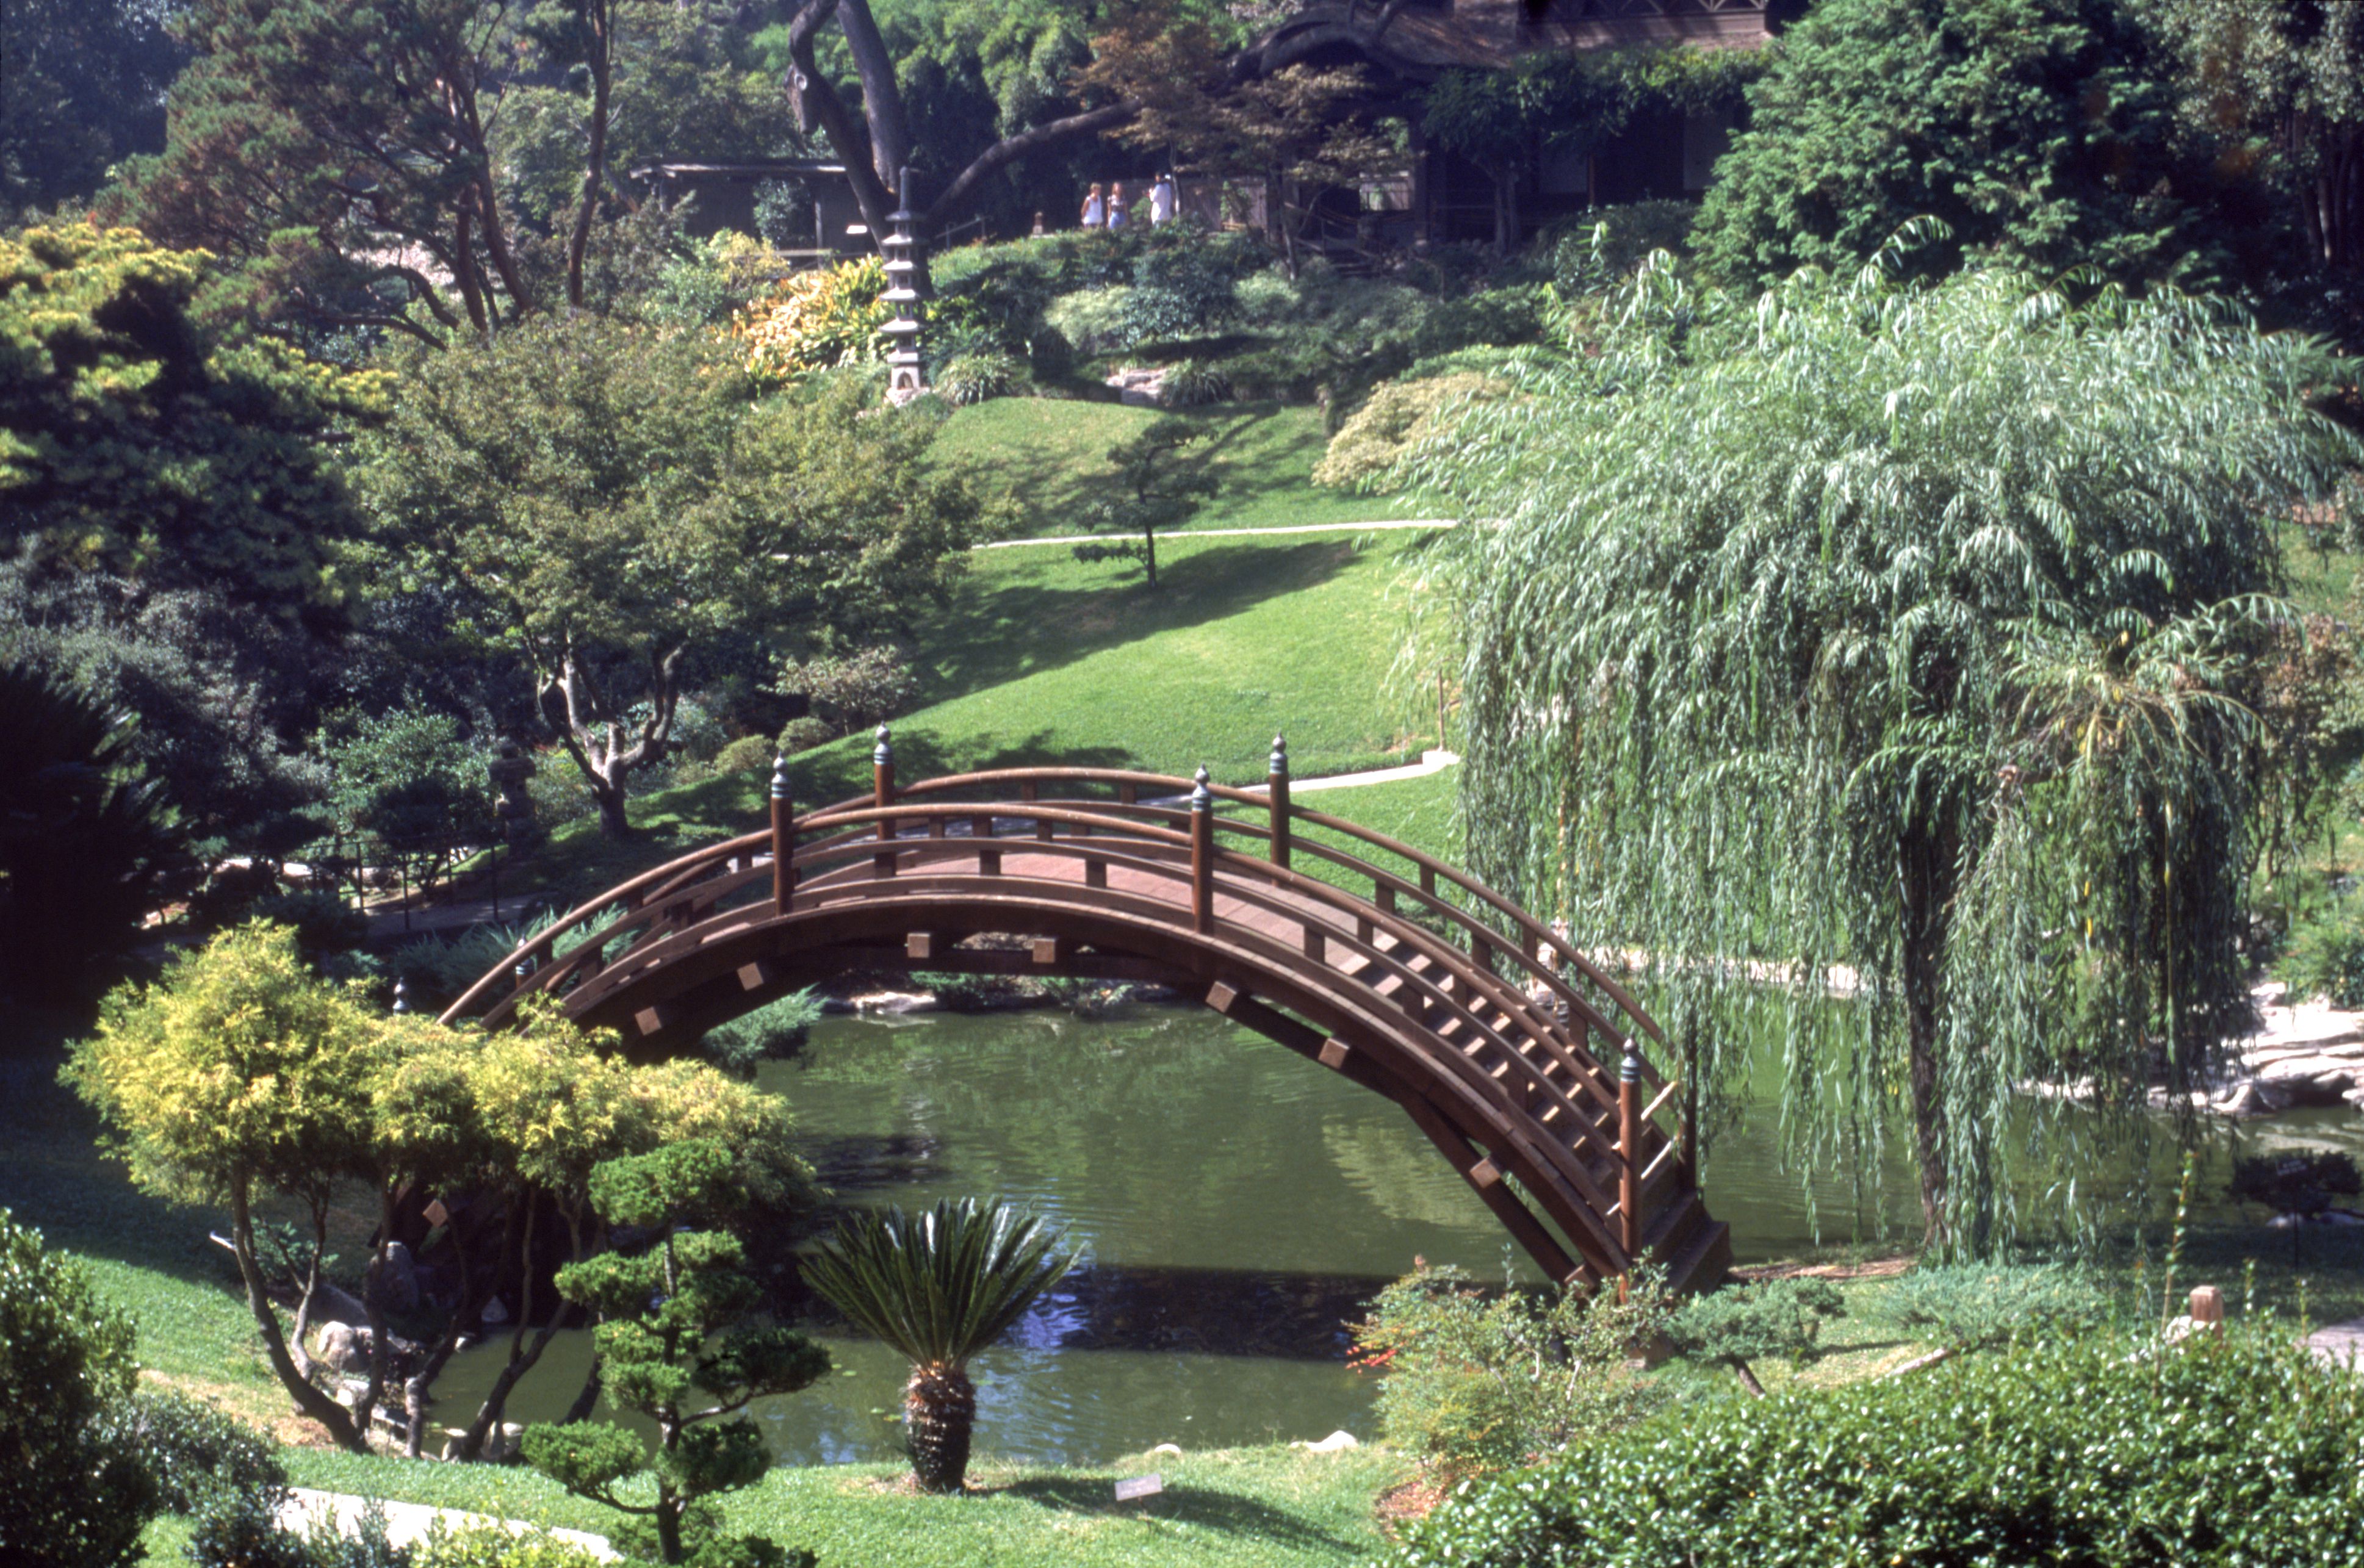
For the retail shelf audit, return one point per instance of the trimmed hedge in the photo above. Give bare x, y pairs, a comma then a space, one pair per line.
2244, 1452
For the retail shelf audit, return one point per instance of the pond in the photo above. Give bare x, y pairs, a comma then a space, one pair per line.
1238, 1205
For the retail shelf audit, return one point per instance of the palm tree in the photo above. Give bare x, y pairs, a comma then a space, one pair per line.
939, 1288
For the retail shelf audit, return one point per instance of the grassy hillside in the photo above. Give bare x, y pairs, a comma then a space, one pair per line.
1042, 659
1043, 458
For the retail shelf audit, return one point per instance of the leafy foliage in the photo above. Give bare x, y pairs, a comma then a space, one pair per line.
195, 1451
134, 442
2296, 1182
88, 846
1477, 1381
85, 90
1397, 419
2041, 131
972, 378
1965, 1305
817, 320
73, 1491
938, 1289
772, 1030
2083, 1450
1772, 1317
675, 1345
635, 509
2323, 956
1907, 629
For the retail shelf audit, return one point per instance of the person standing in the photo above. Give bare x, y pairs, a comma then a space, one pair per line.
1160, 202
1117, 217
1095, 208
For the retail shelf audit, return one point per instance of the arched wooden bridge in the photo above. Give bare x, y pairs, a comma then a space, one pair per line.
1522, 1062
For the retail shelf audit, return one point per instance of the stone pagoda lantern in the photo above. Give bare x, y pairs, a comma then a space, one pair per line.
904, 380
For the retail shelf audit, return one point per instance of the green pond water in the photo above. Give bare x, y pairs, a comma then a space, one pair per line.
1238, 1205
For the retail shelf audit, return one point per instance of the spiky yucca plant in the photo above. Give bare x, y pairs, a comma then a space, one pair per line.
939, 1288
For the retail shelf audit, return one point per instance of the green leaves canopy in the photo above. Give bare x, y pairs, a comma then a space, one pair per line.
1892, 639
133, 441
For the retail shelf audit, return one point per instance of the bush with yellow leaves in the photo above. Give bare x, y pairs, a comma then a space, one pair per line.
816, 320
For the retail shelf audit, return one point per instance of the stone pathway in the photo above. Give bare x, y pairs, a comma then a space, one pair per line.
2342, 1344
1241, 533
407, 1523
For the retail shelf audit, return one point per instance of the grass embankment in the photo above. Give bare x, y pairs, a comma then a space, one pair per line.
1042, 659
1044, 459
1263, 1507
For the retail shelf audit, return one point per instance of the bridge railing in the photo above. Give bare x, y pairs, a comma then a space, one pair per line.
1412, 902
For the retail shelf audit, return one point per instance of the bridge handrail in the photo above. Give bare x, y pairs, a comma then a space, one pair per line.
1527, 924
660, 882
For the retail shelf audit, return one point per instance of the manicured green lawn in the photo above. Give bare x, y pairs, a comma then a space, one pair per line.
1043, 458
1263, 1507
1042, 659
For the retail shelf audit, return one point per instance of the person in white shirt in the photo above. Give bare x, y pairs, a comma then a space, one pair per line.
1161, 201
1095, 208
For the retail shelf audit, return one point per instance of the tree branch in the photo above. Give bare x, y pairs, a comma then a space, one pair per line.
1090, 122
882, 96
815, 99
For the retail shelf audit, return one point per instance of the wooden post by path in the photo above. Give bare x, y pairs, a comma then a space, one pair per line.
882, 774
1202, 855
784, 840
1277, 794
1629, 1152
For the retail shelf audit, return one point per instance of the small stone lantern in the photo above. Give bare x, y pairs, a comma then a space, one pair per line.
904, 379
510, 767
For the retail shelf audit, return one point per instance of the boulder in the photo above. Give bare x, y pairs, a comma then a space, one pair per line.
1336, 1442
397, 1281
341, 1347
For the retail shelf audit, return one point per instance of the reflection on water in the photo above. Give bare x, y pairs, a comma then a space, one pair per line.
1237, 1204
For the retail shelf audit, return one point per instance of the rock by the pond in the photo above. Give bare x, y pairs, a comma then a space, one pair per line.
1336, 1442
494, 1312
1174, 1448
894, 1003
341, 1347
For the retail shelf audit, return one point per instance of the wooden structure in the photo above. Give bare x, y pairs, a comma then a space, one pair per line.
1526, 1066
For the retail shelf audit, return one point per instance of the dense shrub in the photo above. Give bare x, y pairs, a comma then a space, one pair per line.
772, 1030
975, 377
1179, 292
1477, 1381
72, 1488
1966, 1304
1609, 242
323, 921
1194, 382
815, 321
1367, 451
852, 691
2325, 957
2088, 1451
194, 1452
1753, 1322
1094, 320
493, 1546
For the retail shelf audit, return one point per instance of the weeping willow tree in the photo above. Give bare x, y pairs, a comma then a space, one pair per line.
1892, 641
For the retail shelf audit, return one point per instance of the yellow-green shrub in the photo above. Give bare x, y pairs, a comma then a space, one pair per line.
816, 321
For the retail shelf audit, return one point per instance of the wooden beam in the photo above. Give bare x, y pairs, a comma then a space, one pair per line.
756, 976
1223, 995
1049, 953
653, 1020
920, 946
1335, 1053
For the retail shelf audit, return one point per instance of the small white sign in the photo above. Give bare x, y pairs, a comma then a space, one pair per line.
1140, 1487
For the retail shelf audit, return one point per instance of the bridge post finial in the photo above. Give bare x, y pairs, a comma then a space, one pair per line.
784, 837
1276, 794
1202, 854
882, 754
401, 997
882, 777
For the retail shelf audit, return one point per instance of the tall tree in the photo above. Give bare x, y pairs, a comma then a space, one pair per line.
2280, 88
134, 440
615, 501
82, 88
345, 197
2041, 131
1902, 632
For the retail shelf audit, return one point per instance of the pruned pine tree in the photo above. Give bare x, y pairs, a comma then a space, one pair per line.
1892, 641
939, 1288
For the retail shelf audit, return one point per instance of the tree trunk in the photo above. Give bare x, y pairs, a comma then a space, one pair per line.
587, 1399
522, 1356
1149, 553
421, 1381
1924, 876
939, 1414
596, 15
313, 1402
1741, 1369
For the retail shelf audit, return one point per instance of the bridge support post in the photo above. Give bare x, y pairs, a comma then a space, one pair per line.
882, 775
1628, 1153
1277, 795
784, 838
1202, 855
